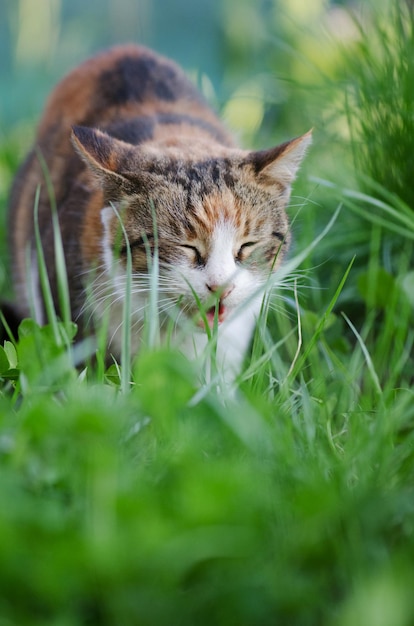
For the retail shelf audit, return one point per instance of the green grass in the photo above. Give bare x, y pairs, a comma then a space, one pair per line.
137, 495
160, 502
383, 65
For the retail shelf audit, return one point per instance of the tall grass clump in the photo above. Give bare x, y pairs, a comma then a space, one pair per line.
380, 100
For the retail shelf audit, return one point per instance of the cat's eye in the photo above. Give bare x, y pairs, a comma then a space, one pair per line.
197, 254
279, 236
243, 249
146, 242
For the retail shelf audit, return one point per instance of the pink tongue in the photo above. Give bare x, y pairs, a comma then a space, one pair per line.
211, 313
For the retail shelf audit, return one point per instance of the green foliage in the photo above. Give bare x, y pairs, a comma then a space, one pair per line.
380, 109
166, 505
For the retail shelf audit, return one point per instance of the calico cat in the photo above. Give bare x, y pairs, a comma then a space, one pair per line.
126, 137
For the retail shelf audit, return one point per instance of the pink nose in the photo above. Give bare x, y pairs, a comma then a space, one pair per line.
223, 291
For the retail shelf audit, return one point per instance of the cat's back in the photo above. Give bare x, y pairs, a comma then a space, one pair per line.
132, 93
123, 82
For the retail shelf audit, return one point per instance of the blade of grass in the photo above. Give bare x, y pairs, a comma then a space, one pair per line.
292, 264
406, 229
153, 324
43, 275
366, 354
299, 346
7, 328
302, 360
61, 272
126, 314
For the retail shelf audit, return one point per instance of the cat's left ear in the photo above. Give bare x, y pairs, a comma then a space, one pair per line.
280, 165
102, 153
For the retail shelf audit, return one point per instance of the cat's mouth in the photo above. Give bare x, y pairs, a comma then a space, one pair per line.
220, 310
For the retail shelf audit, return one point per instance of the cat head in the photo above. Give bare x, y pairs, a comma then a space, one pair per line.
216, 215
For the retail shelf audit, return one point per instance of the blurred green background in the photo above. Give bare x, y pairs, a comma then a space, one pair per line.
235, 45
254, 60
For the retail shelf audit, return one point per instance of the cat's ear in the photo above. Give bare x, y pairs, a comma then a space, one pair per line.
102, 153
280, 165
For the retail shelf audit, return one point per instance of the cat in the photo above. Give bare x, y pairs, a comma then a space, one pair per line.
139, 162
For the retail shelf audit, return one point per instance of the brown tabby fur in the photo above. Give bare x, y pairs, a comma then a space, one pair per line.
189, 168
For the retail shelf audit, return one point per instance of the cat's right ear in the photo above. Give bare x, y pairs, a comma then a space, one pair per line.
280, 165
102, 153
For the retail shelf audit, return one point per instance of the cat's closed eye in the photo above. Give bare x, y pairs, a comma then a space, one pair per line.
198, 258
241, 254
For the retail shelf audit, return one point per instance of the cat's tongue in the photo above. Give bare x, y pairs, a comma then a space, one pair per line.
221, 314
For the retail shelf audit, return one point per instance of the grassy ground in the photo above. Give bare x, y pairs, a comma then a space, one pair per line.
149, 499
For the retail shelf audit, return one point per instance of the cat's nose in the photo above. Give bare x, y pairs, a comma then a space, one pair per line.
223, 290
